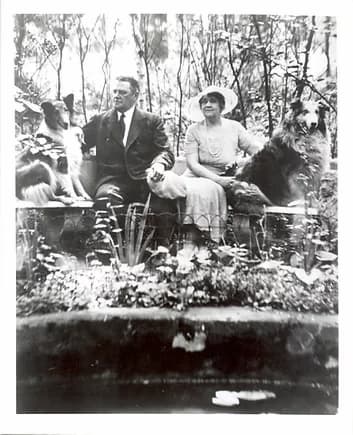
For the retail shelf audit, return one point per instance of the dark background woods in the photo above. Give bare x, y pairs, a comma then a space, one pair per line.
267, 60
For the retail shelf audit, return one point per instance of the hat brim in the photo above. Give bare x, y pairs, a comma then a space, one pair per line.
192, 107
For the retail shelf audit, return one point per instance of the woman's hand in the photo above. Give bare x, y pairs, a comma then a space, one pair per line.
228, 182
225, 182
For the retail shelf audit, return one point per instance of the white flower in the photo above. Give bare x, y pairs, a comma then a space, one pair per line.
184, 266
162, 250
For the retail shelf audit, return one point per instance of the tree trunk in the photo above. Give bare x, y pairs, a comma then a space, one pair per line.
149, 95
302, 82
82, 56
160, 102
21, 27
83, 86
107, 47
235, 74
285, 87
143, 53
193, 60
62, 40
266, 77
180, 84
327, 46
205, 68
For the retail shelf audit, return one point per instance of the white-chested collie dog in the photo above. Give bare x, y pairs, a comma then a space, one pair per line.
291, 164
52, 171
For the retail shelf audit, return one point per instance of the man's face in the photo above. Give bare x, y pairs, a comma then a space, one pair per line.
123, 96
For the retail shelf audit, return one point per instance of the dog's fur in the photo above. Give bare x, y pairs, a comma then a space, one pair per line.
291, 164
54, 178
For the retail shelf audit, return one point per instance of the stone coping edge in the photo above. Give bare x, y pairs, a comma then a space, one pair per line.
130, 343
202, 314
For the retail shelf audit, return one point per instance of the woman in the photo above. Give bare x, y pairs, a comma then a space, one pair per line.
212, 145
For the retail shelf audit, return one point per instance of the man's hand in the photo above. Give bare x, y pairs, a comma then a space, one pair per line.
156, 172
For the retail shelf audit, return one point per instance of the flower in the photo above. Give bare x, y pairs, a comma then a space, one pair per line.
184, 266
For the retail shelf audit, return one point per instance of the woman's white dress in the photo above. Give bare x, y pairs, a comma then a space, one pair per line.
217, 148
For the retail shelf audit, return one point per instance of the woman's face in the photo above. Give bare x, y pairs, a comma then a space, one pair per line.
210, 107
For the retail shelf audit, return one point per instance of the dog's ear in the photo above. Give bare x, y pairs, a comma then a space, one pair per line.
296, 105
48, 107
69, 101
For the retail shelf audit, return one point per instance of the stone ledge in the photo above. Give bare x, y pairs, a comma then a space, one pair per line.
215, 342
202, 314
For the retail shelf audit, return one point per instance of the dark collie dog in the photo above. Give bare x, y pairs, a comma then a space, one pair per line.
52, 171
289, 167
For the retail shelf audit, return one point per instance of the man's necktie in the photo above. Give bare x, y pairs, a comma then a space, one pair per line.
121, 125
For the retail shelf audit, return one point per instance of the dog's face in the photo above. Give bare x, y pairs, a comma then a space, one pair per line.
308, 114
57, 115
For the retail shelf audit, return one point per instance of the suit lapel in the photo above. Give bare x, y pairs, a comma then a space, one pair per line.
135, 127
112, 125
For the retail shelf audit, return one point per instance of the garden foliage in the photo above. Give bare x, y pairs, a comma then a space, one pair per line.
216, 277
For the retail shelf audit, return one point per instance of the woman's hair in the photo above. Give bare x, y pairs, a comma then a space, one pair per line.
219, 97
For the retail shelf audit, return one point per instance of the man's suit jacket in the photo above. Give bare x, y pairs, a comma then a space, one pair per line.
146, 144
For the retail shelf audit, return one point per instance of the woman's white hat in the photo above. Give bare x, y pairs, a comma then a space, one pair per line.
192, 107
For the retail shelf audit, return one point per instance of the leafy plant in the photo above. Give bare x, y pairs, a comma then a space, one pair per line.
131, 243
35, 258
180, 282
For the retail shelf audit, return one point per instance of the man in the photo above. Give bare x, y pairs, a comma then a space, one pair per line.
130, 144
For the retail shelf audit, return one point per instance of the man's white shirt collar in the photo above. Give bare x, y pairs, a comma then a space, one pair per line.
127, 121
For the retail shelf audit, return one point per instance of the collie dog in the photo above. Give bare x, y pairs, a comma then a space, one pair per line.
289, 167
49, 167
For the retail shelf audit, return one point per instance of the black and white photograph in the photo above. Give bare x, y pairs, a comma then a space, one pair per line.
174, 205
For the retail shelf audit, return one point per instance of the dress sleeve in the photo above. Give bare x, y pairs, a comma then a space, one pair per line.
246, 141
191, 141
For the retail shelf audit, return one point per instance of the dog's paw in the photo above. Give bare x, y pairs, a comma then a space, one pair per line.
66, 200
84, 197
296, 203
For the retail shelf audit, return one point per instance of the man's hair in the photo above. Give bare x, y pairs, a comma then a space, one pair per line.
218, 96
133, 83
